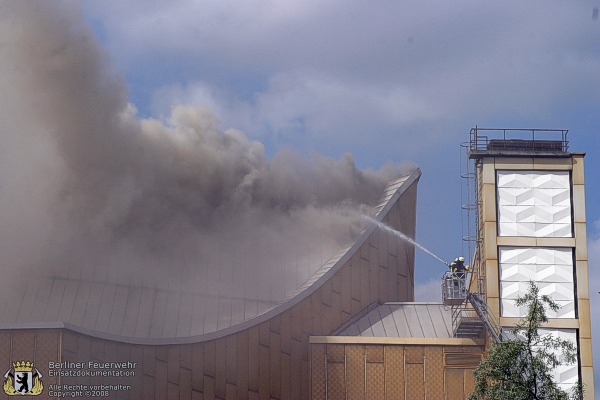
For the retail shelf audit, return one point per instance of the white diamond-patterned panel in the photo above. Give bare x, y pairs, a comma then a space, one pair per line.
531, 179
536, 255
566, 376
537, 273
553, 230
554, 196
558, 291
566, 310
550, 267
534, 204
535, 215
512, 196
548, 264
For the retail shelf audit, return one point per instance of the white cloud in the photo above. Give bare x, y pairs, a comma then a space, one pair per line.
167, 97
320, 71
429, 291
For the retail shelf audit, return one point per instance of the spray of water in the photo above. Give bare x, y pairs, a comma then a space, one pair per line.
402, 236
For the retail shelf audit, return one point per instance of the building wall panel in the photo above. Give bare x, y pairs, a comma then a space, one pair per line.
434, 373
149, 366
318, 364
209, 388
534, 203
336, 385
286, 332
286, 378
394, 372
242, 363
346, 290
173, 364
413, 355
374, 354
365, 299
297, 322
375, 381
5, 350
355, 371
404, 372
566, 376
253, 355
454, 379
264, 366
335, 353
383, 239
137, 355
275, 365
172, 391
297, 382
317, 306
22, 346
550, 268
160, 380
47, 348
336, 312
415, 387
147, 387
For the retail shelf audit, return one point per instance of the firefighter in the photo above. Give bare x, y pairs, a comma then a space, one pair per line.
458, 268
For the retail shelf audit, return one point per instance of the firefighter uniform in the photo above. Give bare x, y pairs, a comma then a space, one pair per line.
458, 268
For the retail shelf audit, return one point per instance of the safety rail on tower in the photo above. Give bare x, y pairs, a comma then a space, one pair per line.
498, 140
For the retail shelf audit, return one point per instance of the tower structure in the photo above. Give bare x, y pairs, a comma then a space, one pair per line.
531, 226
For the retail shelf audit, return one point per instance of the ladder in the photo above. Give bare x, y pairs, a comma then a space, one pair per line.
468, 322
484, 314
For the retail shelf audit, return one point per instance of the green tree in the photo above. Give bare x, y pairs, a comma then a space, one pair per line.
521, 367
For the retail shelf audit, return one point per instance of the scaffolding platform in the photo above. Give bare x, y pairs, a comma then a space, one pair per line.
454, 288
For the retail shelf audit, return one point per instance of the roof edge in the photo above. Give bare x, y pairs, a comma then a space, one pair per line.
395, 340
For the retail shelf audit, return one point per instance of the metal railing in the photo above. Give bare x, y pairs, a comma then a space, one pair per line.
454, 288
486, 316
536, 140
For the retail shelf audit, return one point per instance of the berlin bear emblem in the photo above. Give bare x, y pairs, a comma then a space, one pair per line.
23, 379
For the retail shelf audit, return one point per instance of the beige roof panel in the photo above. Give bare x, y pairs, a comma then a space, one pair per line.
408, 320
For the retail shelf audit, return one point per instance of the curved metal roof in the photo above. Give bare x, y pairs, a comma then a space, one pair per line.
181, 304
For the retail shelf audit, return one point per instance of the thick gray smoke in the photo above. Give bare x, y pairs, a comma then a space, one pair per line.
89, 190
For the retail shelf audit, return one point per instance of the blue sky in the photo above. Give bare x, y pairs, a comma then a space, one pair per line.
383, 80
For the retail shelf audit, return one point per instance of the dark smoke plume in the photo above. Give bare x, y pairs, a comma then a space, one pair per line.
88, 190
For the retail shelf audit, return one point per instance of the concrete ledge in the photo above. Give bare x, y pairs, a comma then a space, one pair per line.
526, 241
395, 341
552, 322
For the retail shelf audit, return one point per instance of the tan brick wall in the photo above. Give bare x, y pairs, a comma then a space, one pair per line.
391, 372
38, 346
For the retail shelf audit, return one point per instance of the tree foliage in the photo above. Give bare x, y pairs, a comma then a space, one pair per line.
521, 366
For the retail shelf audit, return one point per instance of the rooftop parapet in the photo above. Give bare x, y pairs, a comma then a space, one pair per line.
518, 142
